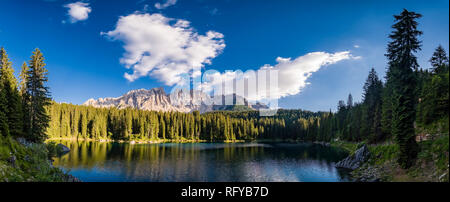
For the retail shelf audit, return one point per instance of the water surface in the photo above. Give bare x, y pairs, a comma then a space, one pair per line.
200, 162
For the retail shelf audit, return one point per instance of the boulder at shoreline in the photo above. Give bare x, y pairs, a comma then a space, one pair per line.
62, 148
356, 160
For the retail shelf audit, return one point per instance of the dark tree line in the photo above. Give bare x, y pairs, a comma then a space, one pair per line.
22, 105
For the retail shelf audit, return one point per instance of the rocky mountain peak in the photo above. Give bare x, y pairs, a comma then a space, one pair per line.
156, 99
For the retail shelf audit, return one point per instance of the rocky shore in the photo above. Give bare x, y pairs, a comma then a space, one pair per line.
367, 173
357, 162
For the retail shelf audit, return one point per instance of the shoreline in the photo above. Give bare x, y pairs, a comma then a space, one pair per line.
159, 141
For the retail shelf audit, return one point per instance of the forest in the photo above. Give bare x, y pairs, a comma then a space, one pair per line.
411, 99
87, 122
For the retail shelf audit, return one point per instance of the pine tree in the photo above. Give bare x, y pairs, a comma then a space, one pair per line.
440, 81
13, 98
25, 98
128, 124
23, 79
4, 129
83, 124
350, 101
439, 60
371, 102
37, 98
402, 62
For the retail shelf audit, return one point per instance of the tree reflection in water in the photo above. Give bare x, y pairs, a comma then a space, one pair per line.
111, 161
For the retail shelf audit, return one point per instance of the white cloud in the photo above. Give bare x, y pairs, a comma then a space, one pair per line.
168, 49
78, 11
292, 76
166, 4
163, 48
356, 46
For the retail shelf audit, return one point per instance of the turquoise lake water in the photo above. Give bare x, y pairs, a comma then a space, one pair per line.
202, 162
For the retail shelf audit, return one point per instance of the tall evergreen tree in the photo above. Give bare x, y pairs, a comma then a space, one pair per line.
402, 62
371, 102
439, 60
386, 108
23, 79
37, 98
25, 98
350, 101
4, 129
12, 96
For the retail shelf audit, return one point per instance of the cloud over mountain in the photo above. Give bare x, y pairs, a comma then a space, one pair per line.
163, 48
291, 76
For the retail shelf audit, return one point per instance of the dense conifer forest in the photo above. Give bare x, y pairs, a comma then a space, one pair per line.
87, 122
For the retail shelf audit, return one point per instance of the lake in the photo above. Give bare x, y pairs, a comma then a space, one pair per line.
202, 162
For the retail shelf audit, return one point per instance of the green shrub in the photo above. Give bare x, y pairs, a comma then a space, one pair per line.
383, 153
32, 162
436, 150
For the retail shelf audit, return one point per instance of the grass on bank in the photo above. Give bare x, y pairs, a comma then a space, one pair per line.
20, 163
432, 162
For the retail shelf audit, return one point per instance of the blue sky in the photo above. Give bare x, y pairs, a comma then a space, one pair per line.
83, 63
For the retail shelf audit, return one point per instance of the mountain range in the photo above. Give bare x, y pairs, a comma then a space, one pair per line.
156, 99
